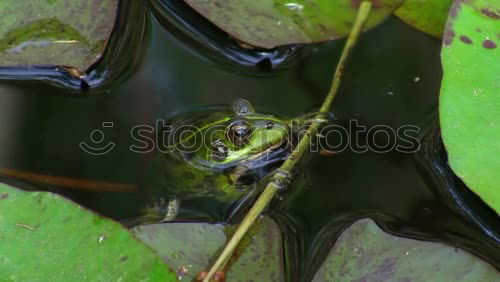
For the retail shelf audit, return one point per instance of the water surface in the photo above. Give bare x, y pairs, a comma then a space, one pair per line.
393, 78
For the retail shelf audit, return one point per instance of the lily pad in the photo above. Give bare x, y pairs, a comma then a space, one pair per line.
364, 252
428, 16
190, 248
46, 237
55, 32
469, 100
270, 23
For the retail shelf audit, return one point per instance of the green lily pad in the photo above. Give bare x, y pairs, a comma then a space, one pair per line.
428, 16
191, 247
46, 237
55, 32
364, 252
470, 101
270, 23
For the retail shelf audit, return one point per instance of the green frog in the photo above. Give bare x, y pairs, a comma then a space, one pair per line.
215, 162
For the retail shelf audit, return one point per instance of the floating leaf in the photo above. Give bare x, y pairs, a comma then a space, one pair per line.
189, 248
364, 252
428, 16
48, 238
470, 101
55, 32
270, 23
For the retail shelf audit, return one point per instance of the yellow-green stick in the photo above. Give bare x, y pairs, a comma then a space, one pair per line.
276, 182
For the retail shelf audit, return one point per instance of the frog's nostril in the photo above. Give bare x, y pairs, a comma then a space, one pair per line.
219, 150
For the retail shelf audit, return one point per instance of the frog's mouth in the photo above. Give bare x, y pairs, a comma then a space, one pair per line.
256, 167
275, 152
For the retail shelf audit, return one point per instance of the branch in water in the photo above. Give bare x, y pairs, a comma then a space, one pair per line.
75, 183
281, 177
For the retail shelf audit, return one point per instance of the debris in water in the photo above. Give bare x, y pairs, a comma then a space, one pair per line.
201, 276
220, 276
327, 153
74, 72
31, 228
294, 7
181, 272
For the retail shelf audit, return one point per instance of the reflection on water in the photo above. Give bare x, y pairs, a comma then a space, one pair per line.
127, 41
9, 114
198, 33
170, 74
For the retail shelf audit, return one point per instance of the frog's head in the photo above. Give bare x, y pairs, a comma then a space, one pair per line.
216, 156
239, 137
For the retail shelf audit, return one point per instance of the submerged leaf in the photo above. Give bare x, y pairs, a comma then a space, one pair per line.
270, 23
190, 247
428, 16
364, 252
48, 238
470, 101
55, 32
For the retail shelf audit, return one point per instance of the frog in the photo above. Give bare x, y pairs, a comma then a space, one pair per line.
216, 159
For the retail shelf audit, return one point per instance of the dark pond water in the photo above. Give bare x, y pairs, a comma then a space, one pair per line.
156, 67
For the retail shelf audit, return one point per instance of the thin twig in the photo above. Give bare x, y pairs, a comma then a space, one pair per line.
22, 225
74, 183
276, 182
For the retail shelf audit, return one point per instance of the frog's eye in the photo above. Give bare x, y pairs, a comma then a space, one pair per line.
239, 132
